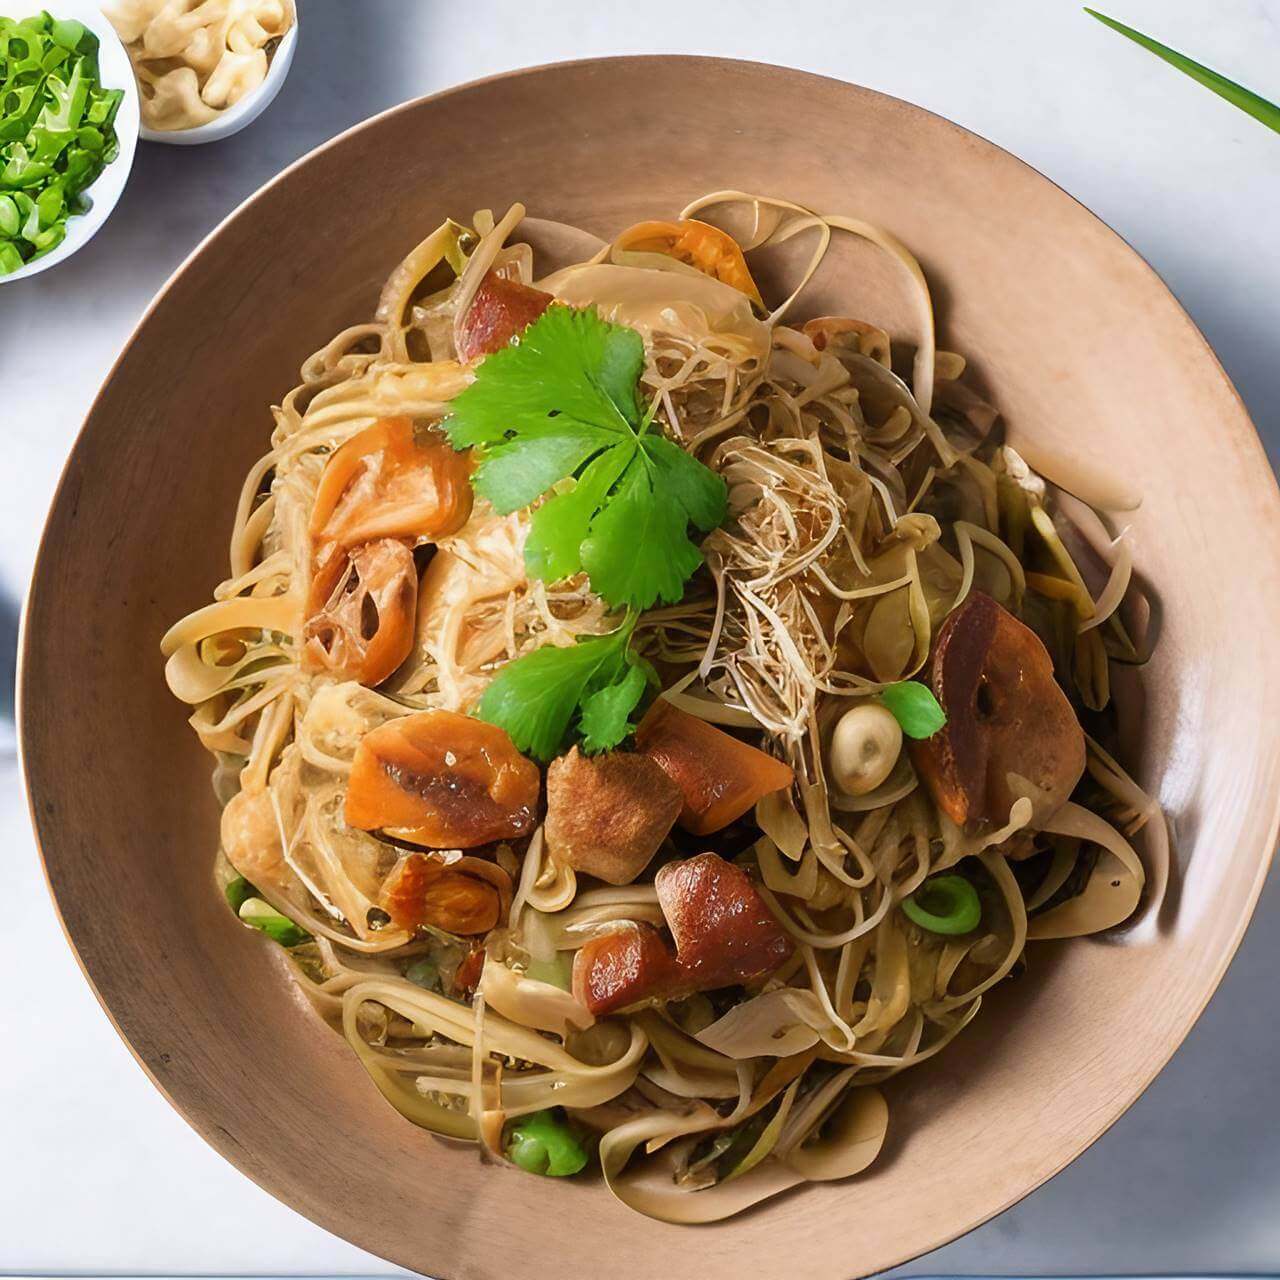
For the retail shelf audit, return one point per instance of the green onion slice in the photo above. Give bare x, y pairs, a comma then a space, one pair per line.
944, 904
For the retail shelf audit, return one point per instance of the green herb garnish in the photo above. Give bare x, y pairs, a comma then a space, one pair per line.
946, 905
596, 683
1258, 107
56, 132
564, 403
263, 916
238, 892
914, 707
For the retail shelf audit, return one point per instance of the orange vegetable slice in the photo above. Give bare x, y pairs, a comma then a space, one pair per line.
426, 889
442, 780
697, 244
392, 480
360, 615
720, 776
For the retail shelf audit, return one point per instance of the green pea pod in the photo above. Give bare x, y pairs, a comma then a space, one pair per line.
238, 892
264, 917
544, 1143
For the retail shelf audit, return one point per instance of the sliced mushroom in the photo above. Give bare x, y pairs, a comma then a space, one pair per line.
500, 310
442, 780
724, 935
428, 889
1010, 729
720, 776
395, 479
607, 814
360, 612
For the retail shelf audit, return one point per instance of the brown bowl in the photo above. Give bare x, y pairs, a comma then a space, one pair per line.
1082, 347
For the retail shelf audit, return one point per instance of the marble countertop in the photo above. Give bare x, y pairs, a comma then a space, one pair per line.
97, 1173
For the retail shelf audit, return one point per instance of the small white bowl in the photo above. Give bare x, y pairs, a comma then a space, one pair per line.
115, 72
244, 112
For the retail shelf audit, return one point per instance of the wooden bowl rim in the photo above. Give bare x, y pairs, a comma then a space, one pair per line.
1243, 435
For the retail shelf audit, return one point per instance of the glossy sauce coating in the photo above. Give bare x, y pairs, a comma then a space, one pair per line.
500, 310
724, 935
442, 780
720, 776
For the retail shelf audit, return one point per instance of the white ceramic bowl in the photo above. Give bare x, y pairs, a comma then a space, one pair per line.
116, 72
244, 112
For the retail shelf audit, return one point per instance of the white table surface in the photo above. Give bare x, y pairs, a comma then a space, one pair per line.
97, 1173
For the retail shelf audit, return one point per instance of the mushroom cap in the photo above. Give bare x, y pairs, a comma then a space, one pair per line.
607, 815
724, 935
1010, 729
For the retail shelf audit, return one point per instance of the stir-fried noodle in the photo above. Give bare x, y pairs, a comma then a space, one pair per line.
868, 501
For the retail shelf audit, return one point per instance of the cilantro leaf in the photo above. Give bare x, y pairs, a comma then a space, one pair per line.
638, 549
914, 707
698, 489
564, 403
570, 364
523, 469
553, 549
606, 713
535, 698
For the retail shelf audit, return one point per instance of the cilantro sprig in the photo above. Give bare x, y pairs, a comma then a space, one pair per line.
563, 404
590, 687
559, 416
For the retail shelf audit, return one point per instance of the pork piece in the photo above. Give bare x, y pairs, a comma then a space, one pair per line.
724, 933
500, 310
608, 814
632, 966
